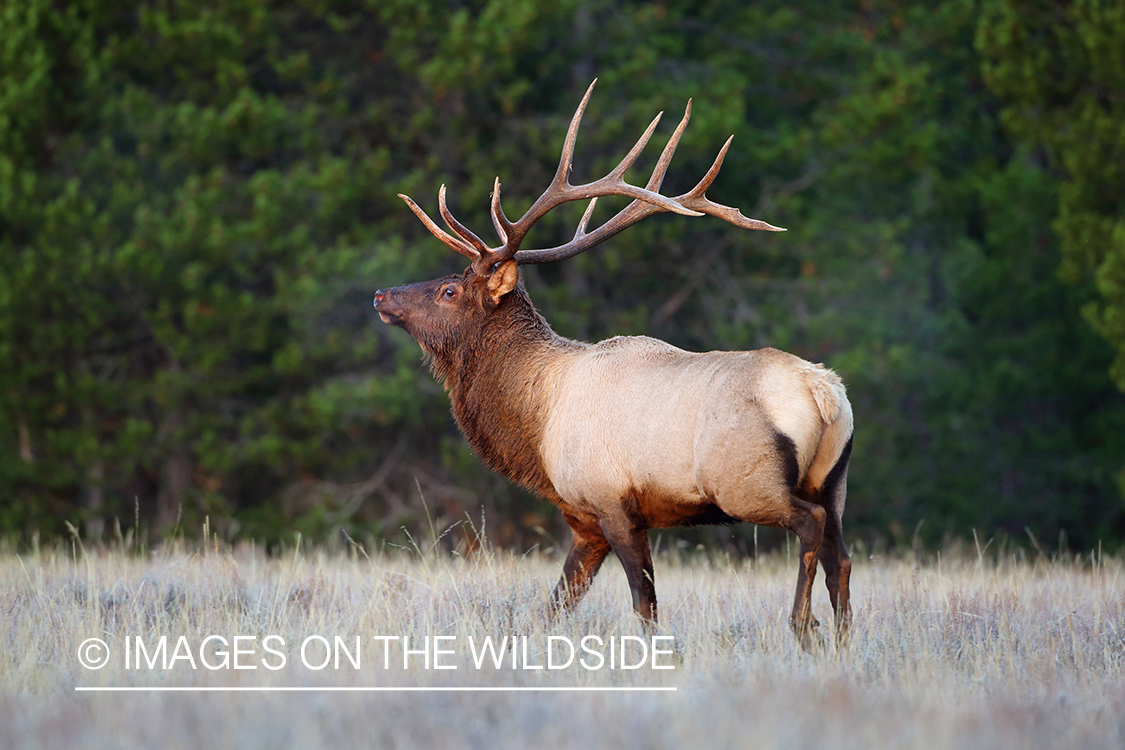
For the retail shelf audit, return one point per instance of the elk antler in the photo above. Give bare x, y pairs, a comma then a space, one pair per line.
646, 202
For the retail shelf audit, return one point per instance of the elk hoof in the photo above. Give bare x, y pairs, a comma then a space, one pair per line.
812, 642
811, 639
843, 639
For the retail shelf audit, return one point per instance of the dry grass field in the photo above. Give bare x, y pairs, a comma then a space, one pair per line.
962, 652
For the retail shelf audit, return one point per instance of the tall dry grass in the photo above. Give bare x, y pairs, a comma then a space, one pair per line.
965, 651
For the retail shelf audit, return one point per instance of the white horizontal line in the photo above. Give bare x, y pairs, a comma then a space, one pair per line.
474, 689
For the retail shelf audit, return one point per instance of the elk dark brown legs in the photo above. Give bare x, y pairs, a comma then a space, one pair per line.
589, 549
808, 522
627, 534
833, 554
837, 574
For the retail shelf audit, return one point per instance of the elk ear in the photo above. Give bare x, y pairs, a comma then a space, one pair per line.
503, 280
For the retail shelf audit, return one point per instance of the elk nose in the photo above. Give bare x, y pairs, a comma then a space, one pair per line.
379, 296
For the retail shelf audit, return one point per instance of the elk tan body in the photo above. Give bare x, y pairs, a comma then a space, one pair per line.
633, 433
679, 431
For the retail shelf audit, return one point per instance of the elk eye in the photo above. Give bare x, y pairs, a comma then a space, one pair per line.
449, 293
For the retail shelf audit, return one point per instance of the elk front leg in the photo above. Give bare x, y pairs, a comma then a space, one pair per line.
589, 549
627, 533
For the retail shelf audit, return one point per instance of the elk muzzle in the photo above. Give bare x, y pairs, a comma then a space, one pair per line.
389, 312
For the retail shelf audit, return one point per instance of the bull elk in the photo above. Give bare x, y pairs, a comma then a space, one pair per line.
631, 433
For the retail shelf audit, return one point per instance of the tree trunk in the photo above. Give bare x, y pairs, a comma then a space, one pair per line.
95, 500
175, 477
26, 452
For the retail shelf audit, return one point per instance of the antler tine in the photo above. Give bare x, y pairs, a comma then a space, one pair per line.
459, 245
581, 230
499, 220
658, 172
696, 199
567, 156
478, 245
638, 147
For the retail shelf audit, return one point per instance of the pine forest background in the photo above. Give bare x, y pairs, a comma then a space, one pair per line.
198, 201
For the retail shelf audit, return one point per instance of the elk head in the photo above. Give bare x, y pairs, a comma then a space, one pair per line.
442, 312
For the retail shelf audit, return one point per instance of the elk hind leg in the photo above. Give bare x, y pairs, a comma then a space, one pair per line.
807, 521
834, 556
837, 566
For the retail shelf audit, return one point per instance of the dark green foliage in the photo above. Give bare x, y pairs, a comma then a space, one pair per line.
197, 201
1059, 69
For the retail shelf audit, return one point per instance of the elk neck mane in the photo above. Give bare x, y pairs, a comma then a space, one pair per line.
500, 378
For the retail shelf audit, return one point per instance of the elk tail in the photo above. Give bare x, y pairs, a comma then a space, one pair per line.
831, 399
